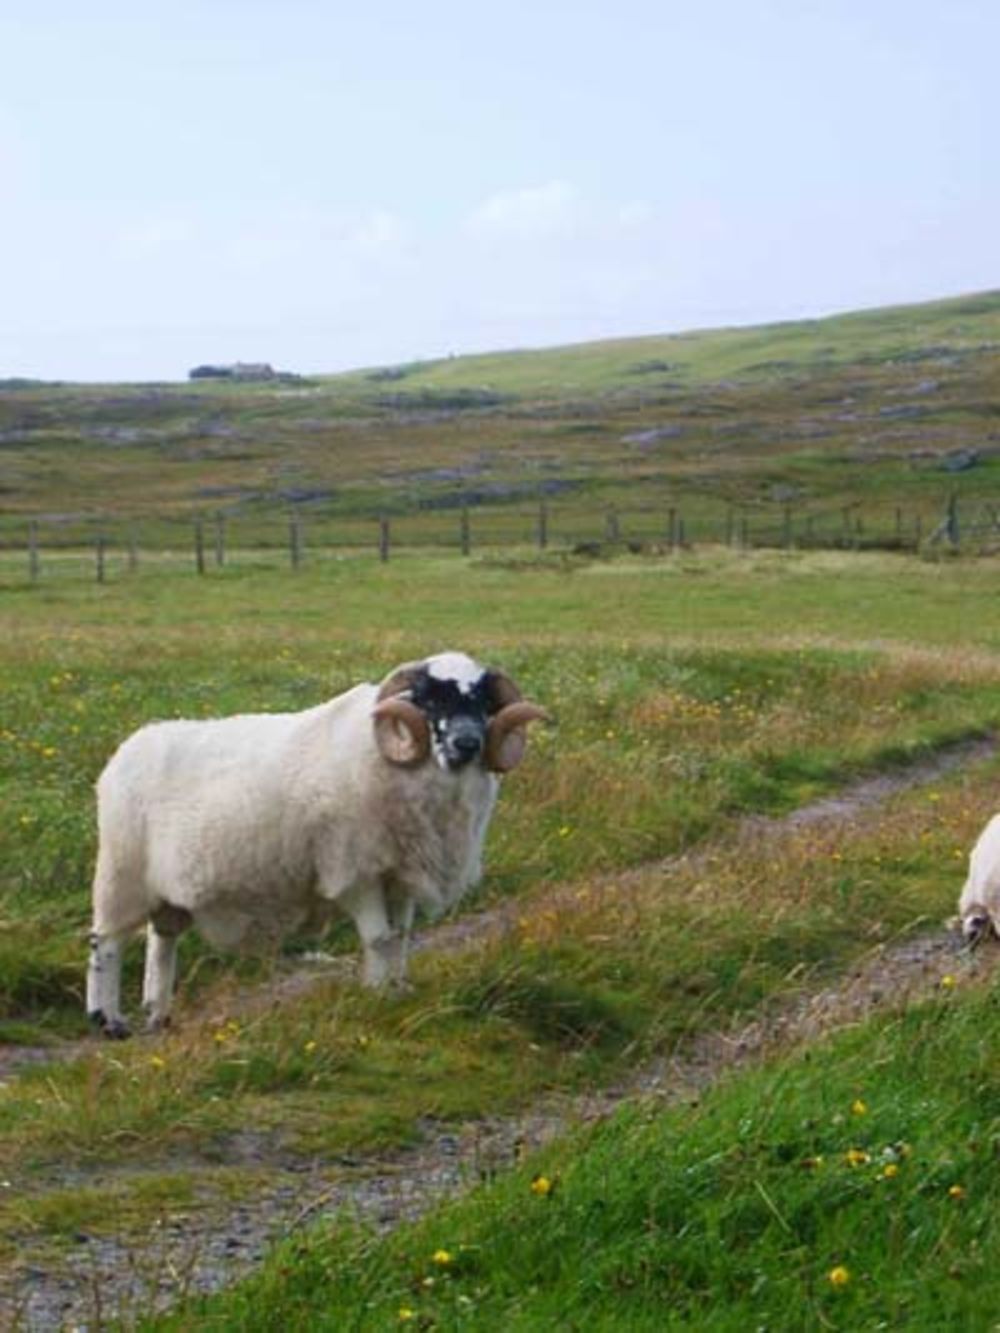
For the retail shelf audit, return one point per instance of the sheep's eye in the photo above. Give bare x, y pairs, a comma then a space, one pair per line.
442, 700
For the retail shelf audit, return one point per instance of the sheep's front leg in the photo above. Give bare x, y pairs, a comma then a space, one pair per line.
402, 909
382, 945
104, 972
976, 926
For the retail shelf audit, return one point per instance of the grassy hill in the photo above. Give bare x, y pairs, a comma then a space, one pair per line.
891, 407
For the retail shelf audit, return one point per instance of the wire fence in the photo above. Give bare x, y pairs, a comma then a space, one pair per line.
50, 547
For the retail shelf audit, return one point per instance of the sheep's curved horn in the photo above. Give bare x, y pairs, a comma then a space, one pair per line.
401, 732
502, 690
398, 681
505, 736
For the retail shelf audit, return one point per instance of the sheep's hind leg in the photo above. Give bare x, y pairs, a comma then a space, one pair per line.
158, 977
160, 971
104, 971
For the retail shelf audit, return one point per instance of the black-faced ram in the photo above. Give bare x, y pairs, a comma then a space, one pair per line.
374, 803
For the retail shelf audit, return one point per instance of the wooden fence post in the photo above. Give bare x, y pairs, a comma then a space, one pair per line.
34, 561
465, 536
612, 529
672, 529
543, 524
199, 546
294, 539
952, 530
383, 539
220, 540
99, 552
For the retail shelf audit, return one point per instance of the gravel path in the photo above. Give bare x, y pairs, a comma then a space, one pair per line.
205, 1247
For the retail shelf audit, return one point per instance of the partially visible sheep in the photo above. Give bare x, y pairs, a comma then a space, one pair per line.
979, 905
248, 827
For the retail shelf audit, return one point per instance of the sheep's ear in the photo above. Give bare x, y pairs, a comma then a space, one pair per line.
401, 732
506, 735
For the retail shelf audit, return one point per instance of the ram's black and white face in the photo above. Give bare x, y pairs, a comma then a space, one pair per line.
453, 692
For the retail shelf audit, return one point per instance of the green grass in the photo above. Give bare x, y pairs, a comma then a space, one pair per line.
866, 1159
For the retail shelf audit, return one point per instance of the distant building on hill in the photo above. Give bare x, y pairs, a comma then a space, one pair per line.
239, 370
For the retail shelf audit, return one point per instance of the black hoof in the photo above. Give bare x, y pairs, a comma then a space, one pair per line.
976, 928
114, 1030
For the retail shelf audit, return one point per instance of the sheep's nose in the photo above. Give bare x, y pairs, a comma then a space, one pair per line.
466, 746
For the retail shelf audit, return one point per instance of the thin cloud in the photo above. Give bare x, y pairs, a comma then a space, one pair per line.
539, 211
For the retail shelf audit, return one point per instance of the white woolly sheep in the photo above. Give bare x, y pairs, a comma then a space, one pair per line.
248, 827
979, 905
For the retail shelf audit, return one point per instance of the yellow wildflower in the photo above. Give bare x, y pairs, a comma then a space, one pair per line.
947, 981
309, 1047
442, 1257
541, 1185
857, 1157
406, 1314
839, 1276
956, 1191
890, 1170
859, 1107
158, 1062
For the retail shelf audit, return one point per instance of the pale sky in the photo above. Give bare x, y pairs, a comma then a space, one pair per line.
325, 185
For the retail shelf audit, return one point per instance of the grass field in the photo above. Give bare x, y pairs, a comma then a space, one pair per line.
686, 693
689, 690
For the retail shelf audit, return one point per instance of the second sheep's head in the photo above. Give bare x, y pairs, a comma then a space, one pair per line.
452, 710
